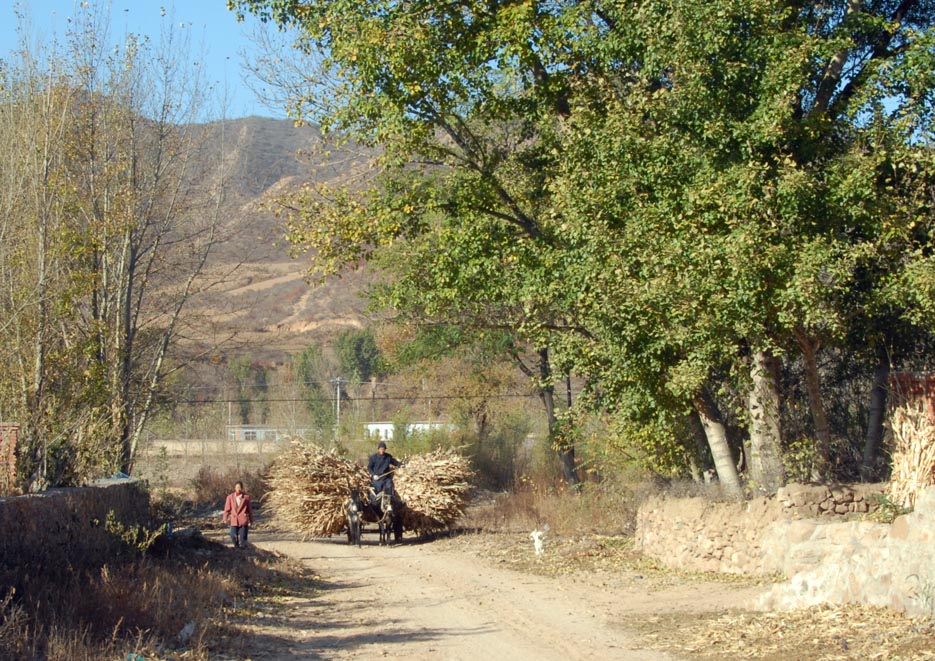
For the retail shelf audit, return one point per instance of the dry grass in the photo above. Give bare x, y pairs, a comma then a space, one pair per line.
594, 509
140, 607
186, 602
211, 485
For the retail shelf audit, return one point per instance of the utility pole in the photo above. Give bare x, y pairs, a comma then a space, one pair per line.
428, 402
338, 382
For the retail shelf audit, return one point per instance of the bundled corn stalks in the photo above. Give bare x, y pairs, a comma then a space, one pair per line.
308, 487
435, 487
912, 438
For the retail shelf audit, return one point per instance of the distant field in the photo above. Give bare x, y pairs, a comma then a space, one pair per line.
175, 463
178, 465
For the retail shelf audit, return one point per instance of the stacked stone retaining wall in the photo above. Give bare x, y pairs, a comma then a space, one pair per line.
819, 537
810, 500
697, 534
700, 534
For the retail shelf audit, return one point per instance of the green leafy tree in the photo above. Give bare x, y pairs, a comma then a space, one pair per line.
358, 354
463, 91
311, 373
250, 383
667, 198
240, 371
758, 178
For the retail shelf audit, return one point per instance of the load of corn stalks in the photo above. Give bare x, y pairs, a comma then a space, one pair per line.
308, 487
912, 441
434, 487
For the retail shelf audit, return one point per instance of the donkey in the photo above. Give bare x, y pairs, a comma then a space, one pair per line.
382, 504
353, 509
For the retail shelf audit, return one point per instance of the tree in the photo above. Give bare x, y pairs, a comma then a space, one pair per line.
240, 372
110, 224
358, 354
670, 197
467, 130
311, 374
750, 162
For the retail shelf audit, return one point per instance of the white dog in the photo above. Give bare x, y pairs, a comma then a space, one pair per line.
538, 540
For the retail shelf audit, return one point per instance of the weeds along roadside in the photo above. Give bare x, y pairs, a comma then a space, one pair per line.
591, 508
168, 597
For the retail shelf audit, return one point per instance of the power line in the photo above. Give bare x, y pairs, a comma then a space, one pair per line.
415, 398
323, 383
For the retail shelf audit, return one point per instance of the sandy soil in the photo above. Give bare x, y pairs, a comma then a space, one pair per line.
447, 599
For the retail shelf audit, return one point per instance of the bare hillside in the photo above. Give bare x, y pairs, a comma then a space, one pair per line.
256, 296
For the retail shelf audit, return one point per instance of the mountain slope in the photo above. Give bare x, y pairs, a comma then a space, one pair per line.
258, 298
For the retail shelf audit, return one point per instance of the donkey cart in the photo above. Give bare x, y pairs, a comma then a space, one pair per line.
384, 509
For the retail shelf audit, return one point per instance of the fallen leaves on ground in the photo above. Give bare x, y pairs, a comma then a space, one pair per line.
822, 633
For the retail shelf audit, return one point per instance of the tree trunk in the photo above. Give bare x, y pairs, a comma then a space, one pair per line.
566, 453
874, 436
698, 435
765, 461
546, 391
479, 420
716, 433
817, 406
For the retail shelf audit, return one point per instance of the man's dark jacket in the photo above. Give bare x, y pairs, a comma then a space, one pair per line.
379, 466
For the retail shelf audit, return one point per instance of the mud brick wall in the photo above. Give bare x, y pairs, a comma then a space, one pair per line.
61, 529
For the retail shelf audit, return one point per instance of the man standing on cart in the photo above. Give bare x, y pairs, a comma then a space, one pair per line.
381, 467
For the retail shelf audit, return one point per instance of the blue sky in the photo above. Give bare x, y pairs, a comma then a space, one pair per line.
209, 20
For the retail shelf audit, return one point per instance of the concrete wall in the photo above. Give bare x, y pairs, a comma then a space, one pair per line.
817, 537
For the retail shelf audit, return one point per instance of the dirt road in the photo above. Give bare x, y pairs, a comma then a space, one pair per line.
440, 600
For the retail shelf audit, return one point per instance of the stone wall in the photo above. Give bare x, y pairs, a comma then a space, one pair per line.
885, 565
811, 500
817, 536
60, 529
697, 534
702, 535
